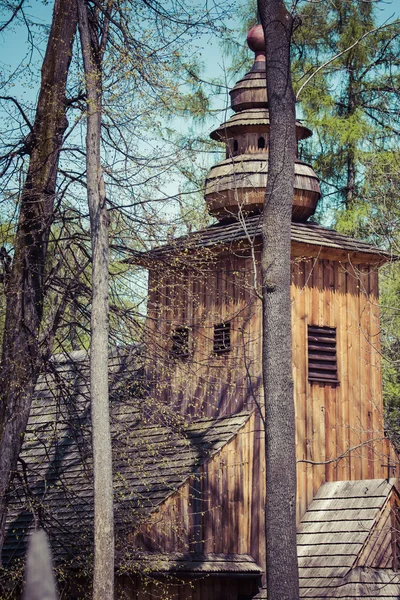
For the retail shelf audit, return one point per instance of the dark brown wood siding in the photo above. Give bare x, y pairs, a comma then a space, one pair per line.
218, 510
180, 588
327, 291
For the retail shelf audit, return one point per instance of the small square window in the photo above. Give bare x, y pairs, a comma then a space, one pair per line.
222, 338
322, 360
180, 342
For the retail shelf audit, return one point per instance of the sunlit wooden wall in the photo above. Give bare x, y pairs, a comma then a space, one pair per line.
329, 288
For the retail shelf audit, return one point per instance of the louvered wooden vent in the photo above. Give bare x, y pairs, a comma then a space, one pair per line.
180, 342
322, 361
222, 338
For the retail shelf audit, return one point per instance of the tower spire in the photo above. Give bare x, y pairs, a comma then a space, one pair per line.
256, 43
239, 182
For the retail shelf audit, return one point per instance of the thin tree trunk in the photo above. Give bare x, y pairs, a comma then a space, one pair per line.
20, 362
103, 576
39, 577
280, 510
351, 162
351, 176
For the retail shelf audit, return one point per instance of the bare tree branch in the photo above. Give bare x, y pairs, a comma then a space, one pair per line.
328, 62
21, 110
13, 15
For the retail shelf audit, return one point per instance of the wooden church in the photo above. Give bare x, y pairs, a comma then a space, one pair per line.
187, 417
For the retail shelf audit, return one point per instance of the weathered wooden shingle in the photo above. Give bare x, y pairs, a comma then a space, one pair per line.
228, 233
153, 456
340, 523
194, 564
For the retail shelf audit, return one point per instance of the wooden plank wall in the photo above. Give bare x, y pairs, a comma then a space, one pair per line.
206, 384
179, 588
331, 421
219, 510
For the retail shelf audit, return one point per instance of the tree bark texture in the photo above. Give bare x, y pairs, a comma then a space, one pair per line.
351, 163
20, 362
103, 575
280, 510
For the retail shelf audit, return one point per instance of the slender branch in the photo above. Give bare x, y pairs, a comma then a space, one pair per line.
326, 63
106, 25
14, 14
341, 456
21, 110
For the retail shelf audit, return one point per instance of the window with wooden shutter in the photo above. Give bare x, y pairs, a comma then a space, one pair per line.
180, 342
322, 356
222, 338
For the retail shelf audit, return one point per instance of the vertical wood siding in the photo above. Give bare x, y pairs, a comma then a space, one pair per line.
332, 421
179, 588
220, 509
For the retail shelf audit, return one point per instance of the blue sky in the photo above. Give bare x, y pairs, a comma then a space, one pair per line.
14, 52
14, 46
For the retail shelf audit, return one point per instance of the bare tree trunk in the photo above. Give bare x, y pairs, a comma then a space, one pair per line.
280, 510
103, 576
20, 362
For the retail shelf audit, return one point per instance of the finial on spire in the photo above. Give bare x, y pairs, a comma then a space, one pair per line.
256, 42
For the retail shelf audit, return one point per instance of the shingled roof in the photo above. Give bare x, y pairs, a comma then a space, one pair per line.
344, 543
152, 459
228, 233
195, 564
345, 535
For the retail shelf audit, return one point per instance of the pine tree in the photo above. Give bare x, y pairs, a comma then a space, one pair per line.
353, 102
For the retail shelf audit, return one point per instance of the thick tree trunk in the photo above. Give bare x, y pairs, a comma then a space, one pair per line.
103, 576
280, 510
25, 290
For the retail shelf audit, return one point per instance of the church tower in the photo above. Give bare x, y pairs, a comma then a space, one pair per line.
188, 447
205, 308
236, 186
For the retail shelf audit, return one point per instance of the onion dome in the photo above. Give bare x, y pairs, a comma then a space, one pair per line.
239, 182
251, 91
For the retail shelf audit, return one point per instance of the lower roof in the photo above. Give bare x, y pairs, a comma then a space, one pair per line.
154, 454
194, 564
360, 582
343, 517
333, 533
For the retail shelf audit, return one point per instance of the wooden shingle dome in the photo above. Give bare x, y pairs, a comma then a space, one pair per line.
239, 182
